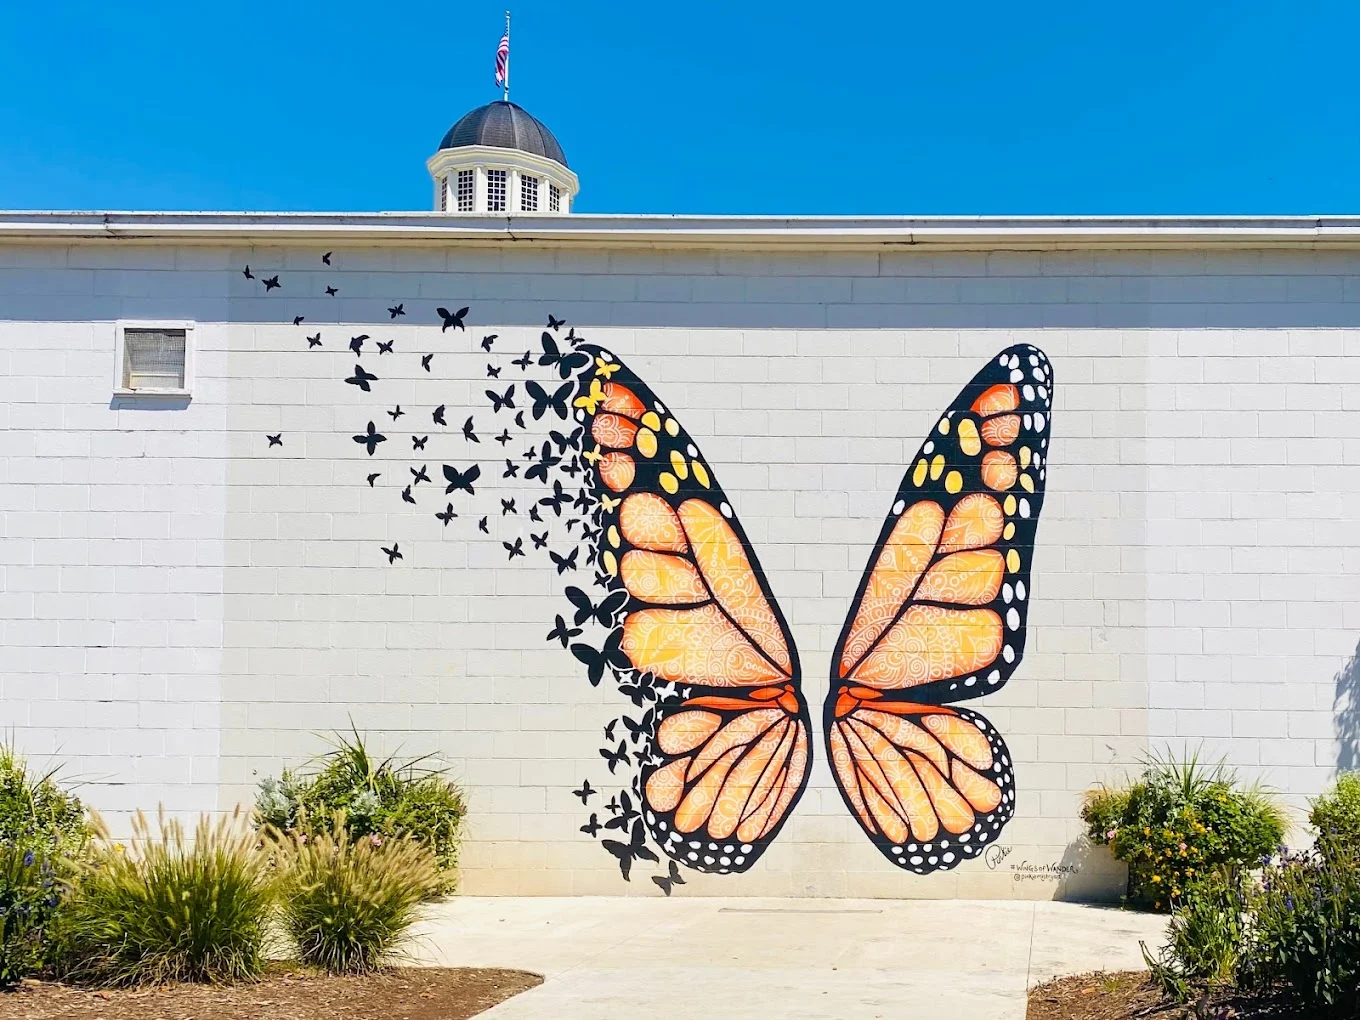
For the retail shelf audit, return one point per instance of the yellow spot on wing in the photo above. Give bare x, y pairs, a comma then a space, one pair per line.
646, 442
678, 465
953, 482
1013, 561
669, 482
969, 440
944, 426
1024, 456
937, 467
613, 536
1009, 533
611, 565
672, 427
1009, 506
651, 420
919, 475
1027, 483
701, 475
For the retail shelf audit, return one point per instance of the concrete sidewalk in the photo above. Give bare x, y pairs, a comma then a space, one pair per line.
632, 957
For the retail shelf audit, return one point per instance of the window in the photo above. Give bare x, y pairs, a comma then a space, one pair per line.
495, 190
465, 190
554, 198
153, 358
528, 193
443, 194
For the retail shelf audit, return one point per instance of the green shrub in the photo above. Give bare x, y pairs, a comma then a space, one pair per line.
42, 830
1306, 933
1206, 936
1179, 820
347, 903
169, 909
387, 798
1336, 817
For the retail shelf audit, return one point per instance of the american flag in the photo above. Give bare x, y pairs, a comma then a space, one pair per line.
502, 58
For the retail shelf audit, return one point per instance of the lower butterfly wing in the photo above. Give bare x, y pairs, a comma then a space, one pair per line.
724, 773
940, 617
931, 785
729, 752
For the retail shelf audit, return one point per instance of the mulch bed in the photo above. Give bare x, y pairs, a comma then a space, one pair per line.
409, 993
1129, 995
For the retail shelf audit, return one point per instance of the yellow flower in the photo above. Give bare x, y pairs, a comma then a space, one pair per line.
1156, 878
1147, 831
1189, 871
118, 847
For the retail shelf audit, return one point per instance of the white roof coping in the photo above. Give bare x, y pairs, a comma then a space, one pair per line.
745, 232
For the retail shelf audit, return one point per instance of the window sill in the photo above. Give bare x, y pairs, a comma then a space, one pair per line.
122, 393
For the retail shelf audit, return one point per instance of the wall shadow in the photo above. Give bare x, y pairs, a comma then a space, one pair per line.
1346, 714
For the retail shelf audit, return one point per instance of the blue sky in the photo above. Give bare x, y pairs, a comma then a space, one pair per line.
695, 107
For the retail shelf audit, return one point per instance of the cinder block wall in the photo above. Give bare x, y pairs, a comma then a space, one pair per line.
185, 609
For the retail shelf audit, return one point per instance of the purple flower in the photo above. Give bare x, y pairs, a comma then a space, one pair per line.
28, 859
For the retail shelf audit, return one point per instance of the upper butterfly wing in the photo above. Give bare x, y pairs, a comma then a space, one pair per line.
940, 617
728, 753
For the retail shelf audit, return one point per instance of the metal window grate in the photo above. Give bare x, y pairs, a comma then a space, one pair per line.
495, 190
443, 194
528, 193
554, 198
465, 190
153, 359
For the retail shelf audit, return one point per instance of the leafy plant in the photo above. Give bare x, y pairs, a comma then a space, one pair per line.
346, 902
167, 908
383, 797
1179, 820
1336, 817
1306, 933
1206, 937
42, 830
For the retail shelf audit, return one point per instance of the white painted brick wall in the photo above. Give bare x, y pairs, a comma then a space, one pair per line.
184, 610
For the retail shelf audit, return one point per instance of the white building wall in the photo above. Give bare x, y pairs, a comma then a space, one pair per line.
185, 609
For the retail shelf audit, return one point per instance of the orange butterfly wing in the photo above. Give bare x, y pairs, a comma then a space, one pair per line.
940, 617
728, 752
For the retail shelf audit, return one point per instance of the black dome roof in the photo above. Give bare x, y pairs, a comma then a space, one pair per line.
505, 126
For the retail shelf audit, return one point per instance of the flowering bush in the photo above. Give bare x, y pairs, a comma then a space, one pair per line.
1336, 816
1178, 821
42, 830
386, 798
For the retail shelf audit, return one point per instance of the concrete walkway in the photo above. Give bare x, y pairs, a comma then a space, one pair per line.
627, 958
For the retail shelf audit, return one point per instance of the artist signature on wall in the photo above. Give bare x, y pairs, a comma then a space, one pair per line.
1027, 871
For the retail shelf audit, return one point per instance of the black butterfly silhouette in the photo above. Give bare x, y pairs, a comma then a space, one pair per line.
573, 339
511, 469
271, 283
419, 476
447, 515
609, 654
493, 371
361, 379
332, 291
540, 469
609, 730
454, 319
556, 500
374, 476
356, 343
615, 758
327, 258
385, 348
487, 341
555, 323
561, 632
394, 553
508, 507
572, 522
297, 320
593, 826
406, 496
564, 443
275, 440
625, 814
668, 882
572, 468
481, 526
585, 792
247, 273
425, 360
534, 515
540, 541
637, 692
613, 805
519, 419
438, 415
634, 850
504, 437
523, 362
544, 401
462, 479
468, 433
314, 341
566, 363
395, 413
370, 439
564, 563
604, 614
498, 401
583, 500
516, 548
418, 442
640, 728
396, 310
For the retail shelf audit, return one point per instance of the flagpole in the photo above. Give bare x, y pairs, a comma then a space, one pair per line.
507, 56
